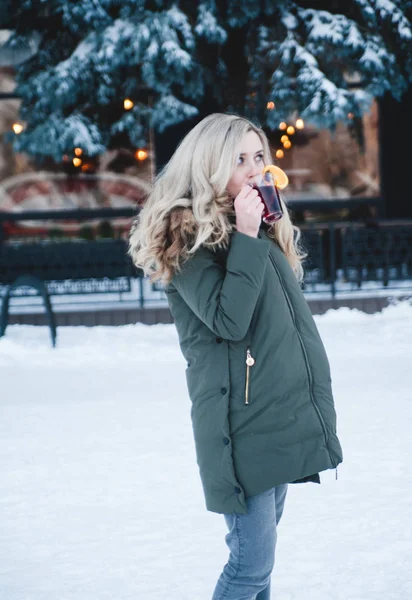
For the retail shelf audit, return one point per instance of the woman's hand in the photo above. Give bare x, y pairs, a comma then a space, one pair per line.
249, 209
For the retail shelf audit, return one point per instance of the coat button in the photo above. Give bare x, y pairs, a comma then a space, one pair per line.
223, 391
237, 490
226, 441
219, 340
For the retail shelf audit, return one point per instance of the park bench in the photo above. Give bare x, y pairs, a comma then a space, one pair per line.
57, 268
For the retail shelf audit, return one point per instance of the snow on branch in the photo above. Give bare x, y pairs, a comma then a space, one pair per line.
60, 133
168, 110
208, 27
391, 11
332, 30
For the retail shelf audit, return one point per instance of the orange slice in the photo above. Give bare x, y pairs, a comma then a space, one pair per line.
280, 178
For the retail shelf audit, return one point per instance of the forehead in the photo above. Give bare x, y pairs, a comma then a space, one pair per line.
250, 143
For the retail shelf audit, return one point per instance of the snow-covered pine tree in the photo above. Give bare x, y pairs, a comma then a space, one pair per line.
328, 63
92, 56
322, 59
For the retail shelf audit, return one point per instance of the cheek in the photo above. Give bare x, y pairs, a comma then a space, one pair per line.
234, 184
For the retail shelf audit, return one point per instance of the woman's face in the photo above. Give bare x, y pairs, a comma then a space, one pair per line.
249, 163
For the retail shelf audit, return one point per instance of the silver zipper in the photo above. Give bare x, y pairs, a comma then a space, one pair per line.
322, 423
250, 361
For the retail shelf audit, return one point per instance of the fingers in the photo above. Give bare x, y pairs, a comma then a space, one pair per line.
247, 195
254, 204
249, 209
248, 192
248, 199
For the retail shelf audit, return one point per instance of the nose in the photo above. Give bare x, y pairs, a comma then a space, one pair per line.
253, 171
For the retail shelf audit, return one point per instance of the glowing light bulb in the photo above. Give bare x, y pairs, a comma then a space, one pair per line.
300, 124
128, 104
78, 151
282, 125
279, 154
350, 115
284, 138
141, 154
77, 162
287, 144
290, 130
270, 105
17, 128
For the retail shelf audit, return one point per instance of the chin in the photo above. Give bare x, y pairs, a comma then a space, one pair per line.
234, 193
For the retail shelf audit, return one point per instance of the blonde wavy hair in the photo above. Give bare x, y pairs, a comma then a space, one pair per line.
189, 206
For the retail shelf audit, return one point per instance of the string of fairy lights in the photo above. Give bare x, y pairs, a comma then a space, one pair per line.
289, 131
141, 154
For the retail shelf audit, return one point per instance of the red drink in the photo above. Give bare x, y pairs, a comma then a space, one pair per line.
269, 195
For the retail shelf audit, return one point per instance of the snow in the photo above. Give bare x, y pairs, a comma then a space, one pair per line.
83, 52
326, 27
289, 20
374, 57
119, 33
100, 493
389, 10
207, 26
177, 19
175, 56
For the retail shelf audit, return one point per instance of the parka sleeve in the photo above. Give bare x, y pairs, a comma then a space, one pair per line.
224, 299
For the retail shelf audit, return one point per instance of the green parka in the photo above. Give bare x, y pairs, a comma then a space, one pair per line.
262, 424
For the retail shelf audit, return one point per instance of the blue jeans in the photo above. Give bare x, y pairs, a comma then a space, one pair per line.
251, 541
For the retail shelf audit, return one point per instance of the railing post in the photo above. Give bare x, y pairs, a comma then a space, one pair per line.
322, 256
141, 288
332, 258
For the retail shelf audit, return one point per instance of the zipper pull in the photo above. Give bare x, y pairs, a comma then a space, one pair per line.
250, 361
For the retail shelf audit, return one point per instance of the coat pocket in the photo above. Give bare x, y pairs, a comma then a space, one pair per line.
250, 361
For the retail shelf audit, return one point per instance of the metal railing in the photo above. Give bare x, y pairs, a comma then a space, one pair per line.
356, 257
342, 256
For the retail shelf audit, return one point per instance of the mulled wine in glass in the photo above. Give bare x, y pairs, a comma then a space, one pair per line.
269, 195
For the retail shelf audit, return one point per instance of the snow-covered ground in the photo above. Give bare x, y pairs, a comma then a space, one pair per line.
99, 490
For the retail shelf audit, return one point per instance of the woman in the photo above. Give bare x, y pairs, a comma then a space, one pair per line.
257, 372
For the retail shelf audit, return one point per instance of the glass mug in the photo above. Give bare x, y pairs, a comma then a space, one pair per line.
269, 194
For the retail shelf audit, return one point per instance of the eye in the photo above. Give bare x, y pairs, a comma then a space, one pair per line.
259, 157
240, 160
